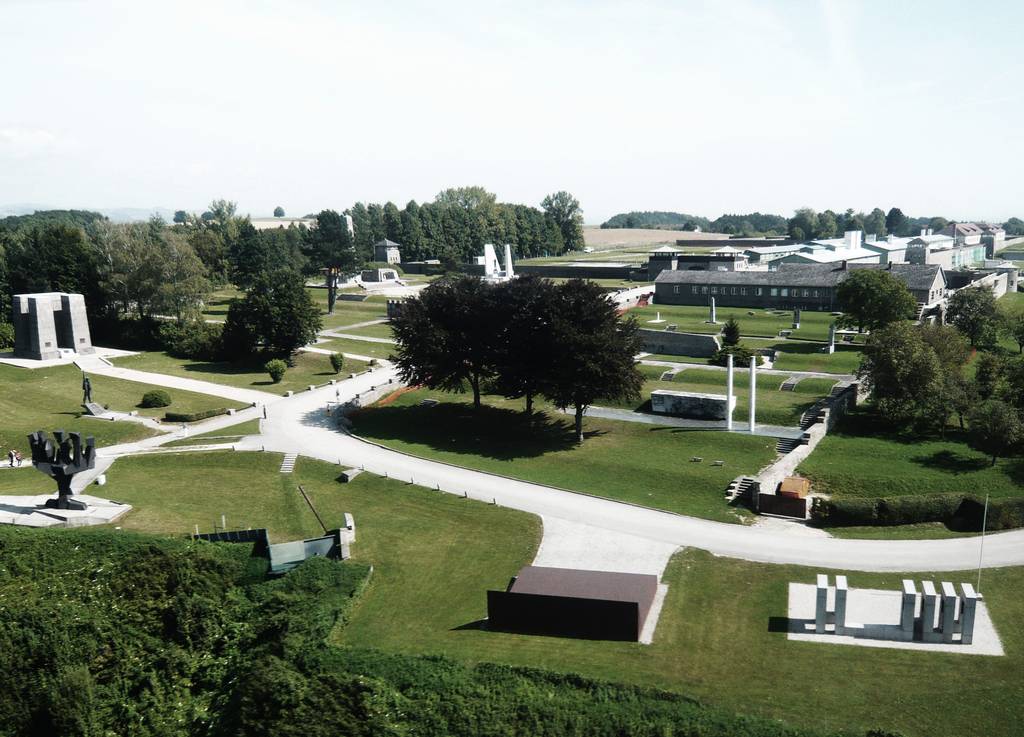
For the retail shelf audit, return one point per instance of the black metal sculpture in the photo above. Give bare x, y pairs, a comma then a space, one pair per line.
61, 461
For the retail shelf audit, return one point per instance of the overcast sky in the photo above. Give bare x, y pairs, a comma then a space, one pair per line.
700, 107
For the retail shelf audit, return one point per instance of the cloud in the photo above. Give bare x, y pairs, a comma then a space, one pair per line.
24, 143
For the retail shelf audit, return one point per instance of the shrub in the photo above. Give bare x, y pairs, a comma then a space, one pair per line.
6, 336
194, 416
155, 398
276, 368
731, 332
337, 362
741, 355
964, 512
192, 339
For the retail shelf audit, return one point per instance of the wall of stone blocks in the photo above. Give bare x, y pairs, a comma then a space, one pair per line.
679, 344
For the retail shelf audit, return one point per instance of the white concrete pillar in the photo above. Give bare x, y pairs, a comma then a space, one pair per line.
753, 391
728, 392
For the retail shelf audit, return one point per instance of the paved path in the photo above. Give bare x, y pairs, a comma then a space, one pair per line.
366, 324
626, 415
350, 336
300, 424
95, 365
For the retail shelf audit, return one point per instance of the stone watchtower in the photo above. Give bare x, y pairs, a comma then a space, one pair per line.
47, 322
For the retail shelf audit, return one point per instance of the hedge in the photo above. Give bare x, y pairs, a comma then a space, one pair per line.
960, 511
194, 416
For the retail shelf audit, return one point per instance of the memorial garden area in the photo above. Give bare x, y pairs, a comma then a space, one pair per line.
712, 644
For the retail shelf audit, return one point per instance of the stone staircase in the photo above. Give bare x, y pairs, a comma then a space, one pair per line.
288, 464
790, 384
786, 445
741, 488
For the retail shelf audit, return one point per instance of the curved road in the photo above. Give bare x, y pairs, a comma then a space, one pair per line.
299, 424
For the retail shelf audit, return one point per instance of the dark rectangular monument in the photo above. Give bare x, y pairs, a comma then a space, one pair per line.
567, 602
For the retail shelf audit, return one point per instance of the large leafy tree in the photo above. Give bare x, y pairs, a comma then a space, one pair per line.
1014, 226
973, 312
331, 248
524, 344
995, 428
901, 371
895, 221
875, 222
593, 351
803, 224
446, 336
873, 298
565, 210
276, 315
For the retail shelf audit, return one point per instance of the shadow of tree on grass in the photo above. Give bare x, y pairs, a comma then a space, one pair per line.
952, 462
455, 427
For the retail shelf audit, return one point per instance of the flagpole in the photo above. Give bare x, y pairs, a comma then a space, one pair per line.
981, 550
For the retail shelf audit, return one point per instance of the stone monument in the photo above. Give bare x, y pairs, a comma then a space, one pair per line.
712, 314
61, 461
796, 319
47, 322
831, 338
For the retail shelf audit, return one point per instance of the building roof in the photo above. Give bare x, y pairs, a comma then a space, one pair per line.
582, 584
918, 277
828, 256
954, 229
891, 244
664, 251
931, 240
388, 243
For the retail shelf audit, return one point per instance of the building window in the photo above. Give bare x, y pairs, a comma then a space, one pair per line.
759, 291
696, 289
775, 291
714, 290
785, 291
814, 292
703, 290
807, 293
734, 290
743, 291
675, 290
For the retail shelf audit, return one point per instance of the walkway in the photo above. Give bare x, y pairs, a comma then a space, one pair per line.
96, 365
745, 369
626, 415
300, 424
350, 336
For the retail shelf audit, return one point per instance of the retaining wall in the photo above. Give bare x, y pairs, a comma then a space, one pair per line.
679, 344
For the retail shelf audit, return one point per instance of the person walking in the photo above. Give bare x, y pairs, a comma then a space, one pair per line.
10, 457
17, 457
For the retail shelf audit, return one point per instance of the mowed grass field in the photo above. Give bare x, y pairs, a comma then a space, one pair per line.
49, 399
356, 347
638, 463
435, 555
753, 323
860, 459
774, 406
348, 312
309, 368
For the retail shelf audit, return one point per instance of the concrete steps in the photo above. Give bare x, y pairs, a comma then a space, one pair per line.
786, 445
288, 464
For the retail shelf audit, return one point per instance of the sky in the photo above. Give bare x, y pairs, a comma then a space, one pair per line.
702, 107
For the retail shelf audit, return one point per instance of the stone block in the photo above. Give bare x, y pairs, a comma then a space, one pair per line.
907, 611
929, 608
842, 589
821, 604
692, 405
949, 606
349, 473
968, 613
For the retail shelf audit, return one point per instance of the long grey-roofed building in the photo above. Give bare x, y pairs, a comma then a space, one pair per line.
807, 286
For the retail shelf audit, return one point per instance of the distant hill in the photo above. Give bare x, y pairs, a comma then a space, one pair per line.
117, 214
750, 224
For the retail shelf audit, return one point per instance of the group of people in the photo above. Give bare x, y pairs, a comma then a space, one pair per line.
14, 457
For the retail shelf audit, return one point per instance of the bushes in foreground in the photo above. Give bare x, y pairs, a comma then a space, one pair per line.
155, 398
194, 416
960, 511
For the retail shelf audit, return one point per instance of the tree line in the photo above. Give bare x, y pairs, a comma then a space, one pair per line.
523, 339
918, 378
750, 224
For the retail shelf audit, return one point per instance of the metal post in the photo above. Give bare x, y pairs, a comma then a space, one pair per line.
981, 550
728, 392
753, 392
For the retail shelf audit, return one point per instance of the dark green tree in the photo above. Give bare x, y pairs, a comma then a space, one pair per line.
731, 332
565, 210
277, 315
279, 212
827, 225
873, 298
331, 250
901, 371
803, 224
875, 223
988, 374
1014, 226
593, 351
523, 346
446, 336
995, 428
895, 221
180, 217
973, 312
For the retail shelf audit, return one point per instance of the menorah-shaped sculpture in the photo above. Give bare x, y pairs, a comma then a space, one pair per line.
61, 461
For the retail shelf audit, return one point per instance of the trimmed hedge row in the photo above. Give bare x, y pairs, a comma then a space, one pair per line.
194, 416
960, 511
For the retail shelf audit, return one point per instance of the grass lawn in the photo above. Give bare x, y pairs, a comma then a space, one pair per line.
216, 307
224, 436
48, 399
25, 480
309, 368
859, 459
675, 358
796, 355
357, 347
714, 641
372, 331
348, 312
435, 555
920, 531
754, 323
774, 407
633, 462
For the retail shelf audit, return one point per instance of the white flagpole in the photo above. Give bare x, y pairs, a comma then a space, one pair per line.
981, 551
